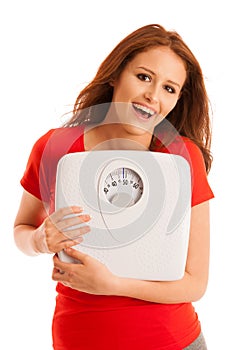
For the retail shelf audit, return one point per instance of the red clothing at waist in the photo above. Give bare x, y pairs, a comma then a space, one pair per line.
85, 321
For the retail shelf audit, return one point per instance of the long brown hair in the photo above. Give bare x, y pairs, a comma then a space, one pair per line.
190, 116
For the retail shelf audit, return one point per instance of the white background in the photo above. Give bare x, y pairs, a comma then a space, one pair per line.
49, 51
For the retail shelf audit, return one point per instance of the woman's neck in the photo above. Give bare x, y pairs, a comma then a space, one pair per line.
113, 136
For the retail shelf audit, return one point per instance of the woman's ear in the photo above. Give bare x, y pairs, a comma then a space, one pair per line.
111, 83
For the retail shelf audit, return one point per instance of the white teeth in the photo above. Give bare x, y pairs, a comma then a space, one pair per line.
144, 109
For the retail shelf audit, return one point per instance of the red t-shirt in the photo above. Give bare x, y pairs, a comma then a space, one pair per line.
83, 321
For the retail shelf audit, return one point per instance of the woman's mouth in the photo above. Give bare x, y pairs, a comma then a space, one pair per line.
143, 111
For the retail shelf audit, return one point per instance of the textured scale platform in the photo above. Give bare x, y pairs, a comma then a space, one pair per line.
140, 204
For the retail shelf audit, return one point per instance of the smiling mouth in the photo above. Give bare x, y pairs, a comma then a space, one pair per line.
143, 111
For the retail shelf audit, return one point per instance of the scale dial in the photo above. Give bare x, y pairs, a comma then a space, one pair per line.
123, 187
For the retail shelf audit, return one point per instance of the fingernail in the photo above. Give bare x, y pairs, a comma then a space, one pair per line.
78, 239
78, 208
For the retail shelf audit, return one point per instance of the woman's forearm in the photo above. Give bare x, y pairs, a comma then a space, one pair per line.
24, 236
194, 282
188, 289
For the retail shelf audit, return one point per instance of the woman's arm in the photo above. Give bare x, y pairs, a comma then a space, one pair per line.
36, 232
93, 277
193, 285
31, 214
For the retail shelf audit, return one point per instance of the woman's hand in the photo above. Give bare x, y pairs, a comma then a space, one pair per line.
36, 232
59, 230
89, 276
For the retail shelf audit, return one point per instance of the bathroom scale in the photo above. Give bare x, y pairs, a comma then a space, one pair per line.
140, 205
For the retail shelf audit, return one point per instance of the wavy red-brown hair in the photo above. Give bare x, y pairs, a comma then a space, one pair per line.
191, 115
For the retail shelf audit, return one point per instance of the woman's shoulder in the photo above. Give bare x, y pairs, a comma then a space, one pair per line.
201, 190
59, 137
185, 147
60, 132
191, 145
190, 150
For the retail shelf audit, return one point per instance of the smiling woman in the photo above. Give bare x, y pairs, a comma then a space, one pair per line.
148, 94
151, 83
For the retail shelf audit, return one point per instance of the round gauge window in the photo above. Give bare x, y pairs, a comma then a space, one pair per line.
123, 187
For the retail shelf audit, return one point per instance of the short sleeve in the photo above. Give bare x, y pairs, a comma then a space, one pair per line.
31, 180
40, 174
201, 190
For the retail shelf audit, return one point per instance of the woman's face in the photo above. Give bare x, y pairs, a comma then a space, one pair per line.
148, 89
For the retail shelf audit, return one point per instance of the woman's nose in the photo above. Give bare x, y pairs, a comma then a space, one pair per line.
152, 94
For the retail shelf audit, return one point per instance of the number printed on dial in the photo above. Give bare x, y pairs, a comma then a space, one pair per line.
123, 187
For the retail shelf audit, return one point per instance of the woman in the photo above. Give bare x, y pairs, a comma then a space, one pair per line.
149, 81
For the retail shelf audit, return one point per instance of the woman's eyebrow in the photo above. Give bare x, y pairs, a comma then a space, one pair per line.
174, 83
153, 73
147, 69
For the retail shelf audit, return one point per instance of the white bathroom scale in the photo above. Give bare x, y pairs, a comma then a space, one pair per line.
140, 204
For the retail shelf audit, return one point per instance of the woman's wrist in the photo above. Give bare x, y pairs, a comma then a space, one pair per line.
38, 241
117, 286
34, 243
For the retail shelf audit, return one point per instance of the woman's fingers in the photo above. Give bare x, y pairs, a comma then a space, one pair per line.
64, 228
77, 232
70, 221
59, 214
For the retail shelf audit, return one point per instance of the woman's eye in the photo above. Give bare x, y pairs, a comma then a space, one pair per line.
144, 77
169, 89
